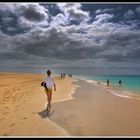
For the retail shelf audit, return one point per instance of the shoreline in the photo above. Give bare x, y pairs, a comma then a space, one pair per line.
73, 115
112, 90
124, 93
70, 97
30, 100
93, 125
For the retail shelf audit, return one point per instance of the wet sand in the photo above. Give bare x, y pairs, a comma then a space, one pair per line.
95, 111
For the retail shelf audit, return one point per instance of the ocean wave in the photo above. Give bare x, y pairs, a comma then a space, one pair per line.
125, 94
114, 89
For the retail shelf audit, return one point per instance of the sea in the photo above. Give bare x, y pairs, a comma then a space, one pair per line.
130, 79
129, 82
129, 87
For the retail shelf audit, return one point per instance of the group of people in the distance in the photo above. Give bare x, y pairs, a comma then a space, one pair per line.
119, 82
70, 75
63, 75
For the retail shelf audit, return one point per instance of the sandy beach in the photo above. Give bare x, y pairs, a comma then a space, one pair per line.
95, 111
23, 100
79, 108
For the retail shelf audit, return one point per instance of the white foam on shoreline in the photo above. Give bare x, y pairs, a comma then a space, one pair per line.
60, 128
57, 126
95, 82
123, 94
89, 81
70, 97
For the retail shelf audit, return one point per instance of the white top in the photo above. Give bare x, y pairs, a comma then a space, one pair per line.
49, 82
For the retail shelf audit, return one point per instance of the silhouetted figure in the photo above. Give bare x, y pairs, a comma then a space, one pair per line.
108, 82
61, 75
120, 82
70, 75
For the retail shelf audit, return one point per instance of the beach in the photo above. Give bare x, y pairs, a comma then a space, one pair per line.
22, 99
79, 108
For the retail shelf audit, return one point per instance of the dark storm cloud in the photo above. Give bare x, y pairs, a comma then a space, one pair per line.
122, 46
33, 12
59, 42
114, 57
56, 44
12, 56
130, 56
134, 54
33, 15
21, 17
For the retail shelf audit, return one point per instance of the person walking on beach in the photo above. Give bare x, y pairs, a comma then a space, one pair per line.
108, 82
50, 83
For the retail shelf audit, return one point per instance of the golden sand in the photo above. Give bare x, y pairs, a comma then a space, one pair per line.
22, 99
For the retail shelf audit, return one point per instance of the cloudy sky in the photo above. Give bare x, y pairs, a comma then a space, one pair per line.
69, 35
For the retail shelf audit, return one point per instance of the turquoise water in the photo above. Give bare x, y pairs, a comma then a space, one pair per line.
131, 83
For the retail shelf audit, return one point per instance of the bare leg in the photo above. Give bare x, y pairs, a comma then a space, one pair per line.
49, 94
49, 98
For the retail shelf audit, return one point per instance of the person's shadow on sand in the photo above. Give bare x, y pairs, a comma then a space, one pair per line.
43, 114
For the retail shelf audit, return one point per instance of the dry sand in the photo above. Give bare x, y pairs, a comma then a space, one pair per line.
79, 108
23, 100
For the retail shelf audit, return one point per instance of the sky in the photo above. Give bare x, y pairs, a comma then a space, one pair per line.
37, 35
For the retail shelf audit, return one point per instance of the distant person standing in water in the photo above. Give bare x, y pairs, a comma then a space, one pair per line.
120, 82
108, 82
50, 83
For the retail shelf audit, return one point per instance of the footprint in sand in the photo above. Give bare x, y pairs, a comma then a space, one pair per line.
25, 118
14, 89
5, 134
4, 113
12, 124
